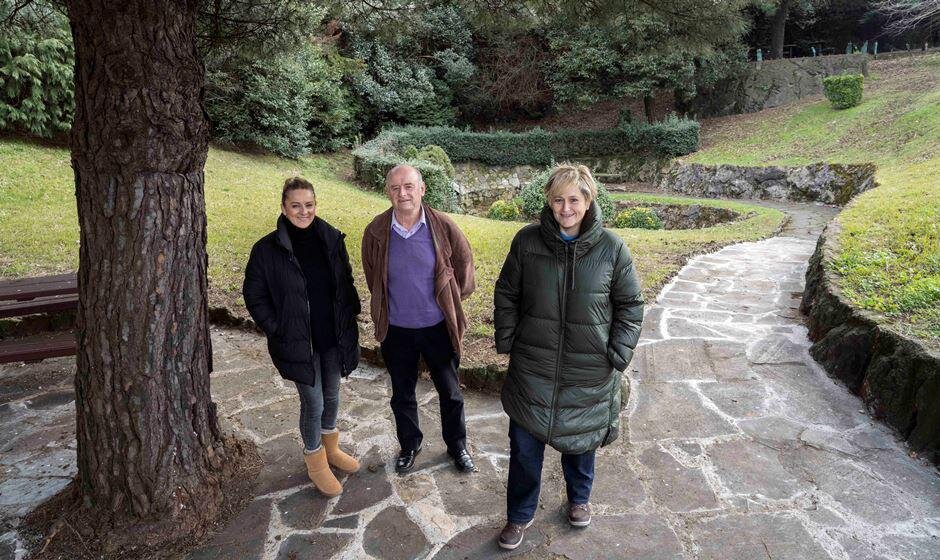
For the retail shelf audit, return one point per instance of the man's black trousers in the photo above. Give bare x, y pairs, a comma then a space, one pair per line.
401, 350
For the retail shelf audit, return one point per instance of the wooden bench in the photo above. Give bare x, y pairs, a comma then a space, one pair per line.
27, 296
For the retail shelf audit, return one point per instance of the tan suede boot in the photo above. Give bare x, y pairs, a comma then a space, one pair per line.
320, 474
336, 456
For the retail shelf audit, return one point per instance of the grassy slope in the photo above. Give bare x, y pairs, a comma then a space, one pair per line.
39, 230
890, 242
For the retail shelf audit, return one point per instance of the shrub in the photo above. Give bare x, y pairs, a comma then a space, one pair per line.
505, 210
844, 91
437, 156
642, 218
36, 93
672, 136
439, 186
605, 202
532, 195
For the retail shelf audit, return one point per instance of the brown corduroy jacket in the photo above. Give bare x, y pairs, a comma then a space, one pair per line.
454, 278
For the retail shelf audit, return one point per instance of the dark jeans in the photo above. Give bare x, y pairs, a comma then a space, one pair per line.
319, 405
401, 349
525, 475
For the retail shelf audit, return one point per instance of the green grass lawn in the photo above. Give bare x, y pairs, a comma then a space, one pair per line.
889, 259
39, 228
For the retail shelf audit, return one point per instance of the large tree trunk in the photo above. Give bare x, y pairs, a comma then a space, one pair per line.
150, 454
778, 29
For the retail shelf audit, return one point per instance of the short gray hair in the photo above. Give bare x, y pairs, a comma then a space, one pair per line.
566, 174
400, 167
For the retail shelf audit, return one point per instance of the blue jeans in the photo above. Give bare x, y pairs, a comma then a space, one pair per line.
525, 475
319, 405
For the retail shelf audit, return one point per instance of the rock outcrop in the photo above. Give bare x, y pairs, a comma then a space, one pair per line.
772, 83
829, 183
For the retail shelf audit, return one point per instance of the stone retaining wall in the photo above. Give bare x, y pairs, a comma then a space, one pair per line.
829, 183
897, 377
478, 185
772, 83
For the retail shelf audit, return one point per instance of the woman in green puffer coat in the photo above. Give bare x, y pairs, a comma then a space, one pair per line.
568, 313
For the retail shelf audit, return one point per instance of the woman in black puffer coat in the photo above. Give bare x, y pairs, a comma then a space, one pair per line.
299, 290
568, 313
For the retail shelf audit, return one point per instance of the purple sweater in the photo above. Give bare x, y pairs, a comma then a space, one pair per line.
411, 302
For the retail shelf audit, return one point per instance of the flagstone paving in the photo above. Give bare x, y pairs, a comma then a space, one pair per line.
736, 446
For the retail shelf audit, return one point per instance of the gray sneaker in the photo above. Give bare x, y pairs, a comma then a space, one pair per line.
579, 515
512, 534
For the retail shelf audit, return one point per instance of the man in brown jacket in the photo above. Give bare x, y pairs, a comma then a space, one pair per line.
419, 267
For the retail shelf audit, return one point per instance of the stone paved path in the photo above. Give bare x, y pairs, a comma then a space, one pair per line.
737, 447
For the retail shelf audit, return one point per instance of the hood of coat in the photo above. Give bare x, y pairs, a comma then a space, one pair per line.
327, 233
592, 227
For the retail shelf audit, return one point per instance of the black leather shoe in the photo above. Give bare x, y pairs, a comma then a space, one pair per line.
463, 461
406, 460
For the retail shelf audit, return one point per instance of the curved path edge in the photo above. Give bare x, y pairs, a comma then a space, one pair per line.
896, 376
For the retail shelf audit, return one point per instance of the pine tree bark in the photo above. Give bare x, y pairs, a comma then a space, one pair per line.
151, 458
778, 29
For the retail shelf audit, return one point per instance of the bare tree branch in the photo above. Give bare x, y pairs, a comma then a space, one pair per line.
910, 15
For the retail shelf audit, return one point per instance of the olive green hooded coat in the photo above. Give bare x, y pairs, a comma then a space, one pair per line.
569, 316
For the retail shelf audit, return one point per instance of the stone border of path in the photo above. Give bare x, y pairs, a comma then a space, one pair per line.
897, 377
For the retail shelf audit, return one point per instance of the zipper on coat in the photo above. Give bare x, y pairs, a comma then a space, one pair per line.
333, 258
561, 344
307, 301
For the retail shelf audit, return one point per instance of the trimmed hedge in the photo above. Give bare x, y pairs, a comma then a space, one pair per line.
671, 137
844, 91
372, 160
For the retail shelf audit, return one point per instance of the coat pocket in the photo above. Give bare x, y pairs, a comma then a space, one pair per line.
617, 361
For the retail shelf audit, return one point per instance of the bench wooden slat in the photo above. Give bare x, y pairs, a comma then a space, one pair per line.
37, 348
22, 289
46, 304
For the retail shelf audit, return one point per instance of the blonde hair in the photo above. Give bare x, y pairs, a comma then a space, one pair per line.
567, 174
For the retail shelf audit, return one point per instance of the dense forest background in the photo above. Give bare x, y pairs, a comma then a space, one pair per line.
291, 77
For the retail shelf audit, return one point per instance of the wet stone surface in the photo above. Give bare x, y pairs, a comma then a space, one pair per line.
733, 445
409, 541
311, 546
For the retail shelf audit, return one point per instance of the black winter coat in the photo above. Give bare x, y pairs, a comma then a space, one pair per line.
276, 297
569, 316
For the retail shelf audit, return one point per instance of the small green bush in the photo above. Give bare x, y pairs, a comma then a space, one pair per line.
844, 91
439, 186
505, 210
532, 195
673, 136
437, 156
640, 217
605, 202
